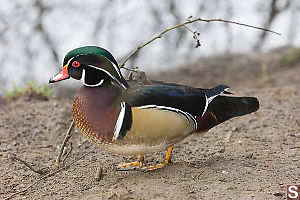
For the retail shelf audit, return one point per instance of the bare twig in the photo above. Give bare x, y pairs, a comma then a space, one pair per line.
98, 174
195, 36
189, 21
40, 171
68, 153
130, 69
67, 137
49, 175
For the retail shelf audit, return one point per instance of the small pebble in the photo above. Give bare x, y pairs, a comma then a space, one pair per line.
83, 140
297, 135
4, 149
223, 180
249, 155
225, 172
222, 151
249, 170
85, 187
234, 129
278, 194
295, 159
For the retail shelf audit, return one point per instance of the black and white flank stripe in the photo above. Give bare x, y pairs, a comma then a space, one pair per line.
124, 121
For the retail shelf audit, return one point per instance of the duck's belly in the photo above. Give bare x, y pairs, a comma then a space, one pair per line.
151, 130
133, 149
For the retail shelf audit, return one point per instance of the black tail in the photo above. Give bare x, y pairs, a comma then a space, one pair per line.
224, 107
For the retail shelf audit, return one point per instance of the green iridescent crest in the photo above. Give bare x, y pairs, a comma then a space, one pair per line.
98, 58
94, 50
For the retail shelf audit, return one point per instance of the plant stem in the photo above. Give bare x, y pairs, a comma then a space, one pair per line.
184, 24
67, 137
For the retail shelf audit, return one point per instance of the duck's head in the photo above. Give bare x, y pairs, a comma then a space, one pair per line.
93, 65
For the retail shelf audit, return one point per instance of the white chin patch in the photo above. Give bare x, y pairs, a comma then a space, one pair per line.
88, 85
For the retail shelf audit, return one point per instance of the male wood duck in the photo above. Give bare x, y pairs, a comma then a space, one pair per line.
138, 117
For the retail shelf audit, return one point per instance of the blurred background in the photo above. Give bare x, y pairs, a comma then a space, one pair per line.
35, 35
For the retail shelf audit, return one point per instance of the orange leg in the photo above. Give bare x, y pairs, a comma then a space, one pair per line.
161, 165
133, 165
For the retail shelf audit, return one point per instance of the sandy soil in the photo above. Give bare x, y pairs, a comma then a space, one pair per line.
250, 157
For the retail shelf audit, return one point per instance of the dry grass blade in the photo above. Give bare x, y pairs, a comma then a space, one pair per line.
41, 172
67, 137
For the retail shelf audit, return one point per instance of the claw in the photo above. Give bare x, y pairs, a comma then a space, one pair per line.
133, 165
153, 167
160, 165
129, 166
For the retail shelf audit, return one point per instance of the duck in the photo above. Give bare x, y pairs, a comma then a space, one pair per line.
138, 117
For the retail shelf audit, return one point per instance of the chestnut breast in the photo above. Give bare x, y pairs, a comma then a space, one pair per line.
95, 113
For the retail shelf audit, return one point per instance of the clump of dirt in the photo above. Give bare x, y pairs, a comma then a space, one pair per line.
249, 157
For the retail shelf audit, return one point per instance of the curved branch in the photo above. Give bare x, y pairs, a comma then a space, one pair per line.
189, 21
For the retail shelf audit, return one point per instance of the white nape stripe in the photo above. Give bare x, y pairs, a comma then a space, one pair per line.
108, 74
76, 57
116, 68
83, 80
114, 65
119, 122
185, 114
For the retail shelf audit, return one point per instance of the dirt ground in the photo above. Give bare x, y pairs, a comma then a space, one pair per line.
250, 157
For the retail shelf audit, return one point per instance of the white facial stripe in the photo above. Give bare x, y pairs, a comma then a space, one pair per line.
83, 80
70, 60
108, 74
76, 57
98, 84
114, 65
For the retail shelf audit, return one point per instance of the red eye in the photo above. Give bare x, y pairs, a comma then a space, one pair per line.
76, 64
